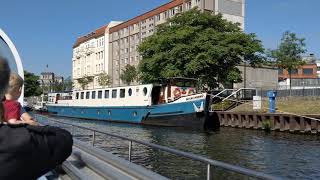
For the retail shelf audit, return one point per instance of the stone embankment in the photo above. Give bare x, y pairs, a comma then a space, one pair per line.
276, 122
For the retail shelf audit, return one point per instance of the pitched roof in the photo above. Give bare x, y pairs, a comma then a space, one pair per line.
97, 33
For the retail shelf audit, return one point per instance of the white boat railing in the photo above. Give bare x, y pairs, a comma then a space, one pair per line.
237, 91
221, 92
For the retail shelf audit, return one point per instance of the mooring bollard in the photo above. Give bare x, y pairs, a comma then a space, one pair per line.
93, 138
130, 147
208, 172
272, 101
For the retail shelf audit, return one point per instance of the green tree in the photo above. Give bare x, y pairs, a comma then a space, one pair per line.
289, 53
129, 74
84, 81
104, 79
68, 84
31, 85
45, 89
58, 86
199, 45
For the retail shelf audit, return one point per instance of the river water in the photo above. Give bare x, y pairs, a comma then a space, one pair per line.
285, 155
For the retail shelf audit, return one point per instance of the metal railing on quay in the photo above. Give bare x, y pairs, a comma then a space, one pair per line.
192, 156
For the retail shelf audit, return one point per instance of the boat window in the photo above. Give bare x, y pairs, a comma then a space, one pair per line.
179, 83
130, 92
88, 95
77, 95
122, 93
188, 84
106, 94
145, 91
114, 93
82, 95
93, 95
99, 94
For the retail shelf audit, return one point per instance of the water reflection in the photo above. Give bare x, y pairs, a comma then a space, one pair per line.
6, 53
280, 154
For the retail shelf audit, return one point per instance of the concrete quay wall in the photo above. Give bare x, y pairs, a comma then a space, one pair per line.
277, 122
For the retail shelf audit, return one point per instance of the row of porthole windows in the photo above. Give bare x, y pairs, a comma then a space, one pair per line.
114, 92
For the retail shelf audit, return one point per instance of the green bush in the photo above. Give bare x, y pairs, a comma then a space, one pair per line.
221, 105
266, 125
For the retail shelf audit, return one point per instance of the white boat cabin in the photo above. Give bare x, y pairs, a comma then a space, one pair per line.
167, 91
55, 97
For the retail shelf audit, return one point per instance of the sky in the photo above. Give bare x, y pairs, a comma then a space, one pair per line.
44, 31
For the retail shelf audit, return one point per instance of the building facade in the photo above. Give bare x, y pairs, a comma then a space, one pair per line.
46, 79
264, 77
121, 40
308, 71
125, 37
59, 79
90, 56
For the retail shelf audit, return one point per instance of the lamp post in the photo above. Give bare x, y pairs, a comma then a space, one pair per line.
245, 74
303, 84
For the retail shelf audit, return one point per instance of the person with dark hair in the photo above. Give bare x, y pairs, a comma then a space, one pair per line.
28, 152
4, 80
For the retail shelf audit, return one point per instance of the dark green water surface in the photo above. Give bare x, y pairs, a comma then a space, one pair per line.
290, 156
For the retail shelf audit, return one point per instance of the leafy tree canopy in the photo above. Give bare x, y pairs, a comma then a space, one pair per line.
198, 45
104, 79
84, 81
68, 84
289, 53
57, 86
31, 85
129, 74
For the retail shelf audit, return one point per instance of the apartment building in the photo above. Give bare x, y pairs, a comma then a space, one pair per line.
110, 48
125, 37
90, 56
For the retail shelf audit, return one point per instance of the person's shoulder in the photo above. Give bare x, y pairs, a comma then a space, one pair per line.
14, 137
11, 103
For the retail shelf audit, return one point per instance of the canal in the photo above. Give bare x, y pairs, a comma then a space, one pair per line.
291, 156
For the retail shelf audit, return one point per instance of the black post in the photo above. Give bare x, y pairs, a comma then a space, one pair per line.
245, 74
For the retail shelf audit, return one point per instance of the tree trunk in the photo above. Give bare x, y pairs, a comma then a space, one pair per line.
290, 82
245, 75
